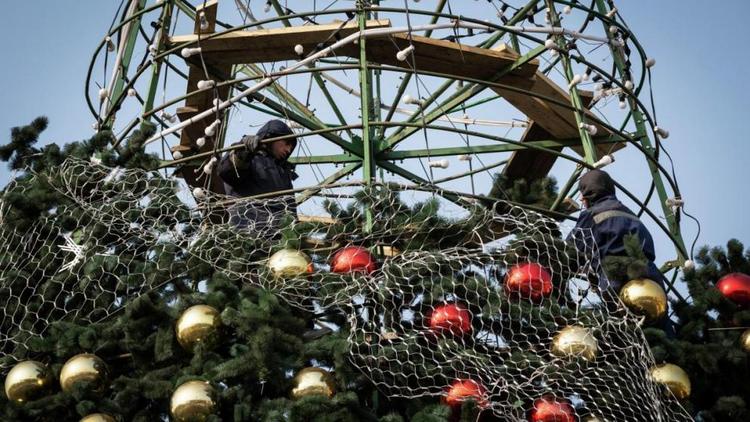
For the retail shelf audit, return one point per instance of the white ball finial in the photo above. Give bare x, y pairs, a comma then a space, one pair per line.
187, 52
663, 133
298, 49
443, 164
403, 54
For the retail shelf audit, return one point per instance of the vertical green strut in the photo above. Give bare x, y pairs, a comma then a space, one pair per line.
165, 22
365, 76
642, 135
116, 91
575, 98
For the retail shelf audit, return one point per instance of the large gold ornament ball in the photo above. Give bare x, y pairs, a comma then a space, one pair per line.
745, 341
98, 417
290, 263
198, 324
84, 369
193, 401
575, 341
646, 298
312, 381
674, 378
27, 380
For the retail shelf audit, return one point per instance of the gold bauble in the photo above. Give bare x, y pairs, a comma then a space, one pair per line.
674, 378
646, 298
193, 401
84, 368
198, 324
290, 263
27, 380
745, 341
575, 340
311, 381
591, 418
98, 417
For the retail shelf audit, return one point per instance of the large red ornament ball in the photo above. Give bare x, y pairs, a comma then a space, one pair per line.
529, 280
451, 318
735, 287
549, 408
462, 390
353, 259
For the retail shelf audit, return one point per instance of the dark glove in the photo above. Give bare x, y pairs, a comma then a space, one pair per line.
251, 142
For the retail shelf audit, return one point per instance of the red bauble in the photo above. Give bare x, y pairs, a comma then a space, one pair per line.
353, 259
735, 287
529, 280
552, 409
461, 390
451, 318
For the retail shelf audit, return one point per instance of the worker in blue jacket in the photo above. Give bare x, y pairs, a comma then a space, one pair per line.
258, 168
606, 222
609, 222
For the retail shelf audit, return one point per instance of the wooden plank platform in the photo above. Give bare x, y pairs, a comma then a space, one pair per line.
549, 120
430, 54
267, 45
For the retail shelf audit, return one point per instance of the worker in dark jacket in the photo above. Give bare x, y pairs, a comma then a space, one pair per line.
606, 222
258, 168
609, 222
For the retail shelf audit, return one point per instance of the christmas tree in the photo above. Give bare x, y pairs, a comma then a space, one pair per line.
124, 300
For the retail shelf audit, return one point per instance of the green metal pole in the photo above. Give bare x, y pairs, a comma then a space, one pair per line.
642, 134
165, 22
117, 90
575, 99
565, 189
365, 76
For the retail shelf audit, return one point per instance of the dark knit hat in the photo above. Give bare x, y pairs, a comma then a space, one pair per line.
273, 129
595, 185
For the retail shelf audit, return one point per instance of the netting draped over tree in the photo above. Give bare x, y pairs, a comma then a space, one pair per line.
424, 297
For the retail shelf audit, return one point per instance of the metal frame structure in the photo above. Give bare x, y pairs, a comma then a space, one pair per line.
559, 117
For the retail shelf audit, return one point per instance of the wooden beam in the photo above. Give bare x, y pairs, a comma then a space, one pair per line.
445, 57
208, 9
200, 102
429, 54
531, 164
264, 45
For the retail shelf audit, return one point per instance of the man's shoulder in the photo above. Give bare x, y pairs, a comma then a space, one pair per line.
609, 204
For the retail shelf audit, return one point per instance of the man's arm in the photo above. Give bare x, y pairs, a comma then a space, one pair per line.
236, 162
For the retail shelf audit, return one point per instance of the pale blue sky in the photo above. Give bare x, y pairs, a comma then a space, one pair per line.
700, 86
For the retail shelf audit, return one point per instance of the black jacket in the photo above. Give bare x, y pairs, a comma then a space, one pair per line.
247, 174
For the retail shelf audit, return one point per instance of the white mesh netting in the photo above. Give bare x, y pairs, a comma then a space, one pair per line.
493, 298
